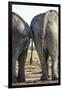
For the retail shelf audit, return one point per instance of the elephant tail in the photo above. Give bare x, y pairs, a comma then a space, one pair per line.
31, 59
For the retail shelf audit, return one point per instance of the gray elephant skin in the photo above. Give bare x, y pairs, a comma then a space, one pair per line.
44, 28
20, 43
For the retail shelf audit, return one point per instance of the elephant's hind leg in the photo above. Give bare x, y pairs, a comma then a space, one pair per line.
14, 70
45, 66
21, 61
55, 68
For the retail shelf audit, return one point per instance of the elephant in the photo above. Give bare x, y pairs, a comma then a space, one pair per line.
21, 34
44, 28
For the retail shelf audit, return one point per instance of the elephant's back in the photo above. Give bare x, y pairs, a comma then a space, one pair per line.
52, 25
52, 17
37, 22
18, 23
17, 28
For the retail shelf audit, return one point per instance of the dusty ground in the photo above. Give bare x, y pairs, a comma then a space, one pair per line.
33, 72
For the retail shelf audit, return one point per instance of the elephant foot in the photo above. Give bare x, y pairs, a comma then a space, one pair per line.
14, 79
54, 78
44, 78
20, 79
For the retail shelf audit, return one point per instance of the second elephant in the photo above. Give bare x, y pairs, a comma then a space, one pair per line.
45, 35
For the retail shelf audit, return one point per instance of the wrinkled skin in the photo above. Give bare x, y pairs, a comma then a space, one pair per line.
45, 35
20, 43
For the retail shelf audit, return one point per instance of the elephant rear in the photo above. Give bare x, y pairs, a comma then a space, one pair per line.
45, 34
51, 30
20, 32
20, 43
